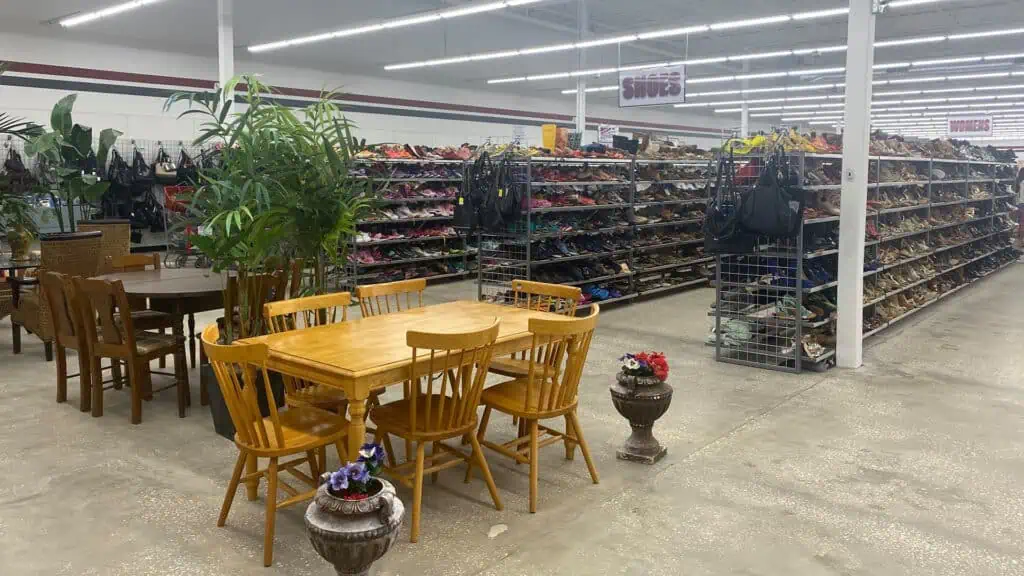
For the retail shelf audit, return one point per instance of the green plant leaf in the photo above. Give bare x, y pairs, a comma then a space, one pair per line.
60, 117
107, 139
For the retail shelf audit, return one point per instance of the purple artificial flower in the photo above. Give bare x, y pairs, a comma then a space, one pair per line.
373, 455
357, 472
339, 479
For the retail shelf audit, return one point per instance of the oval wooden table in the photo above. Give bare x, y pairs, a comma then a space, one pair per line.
180, 292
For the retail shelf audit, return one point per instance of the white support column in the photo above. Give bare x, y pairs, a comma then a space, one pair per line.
225, 41
860, 58
583, 19
745, 112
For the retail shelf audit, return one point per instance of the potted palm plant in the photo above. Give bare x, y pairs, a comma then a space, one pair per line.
280, 189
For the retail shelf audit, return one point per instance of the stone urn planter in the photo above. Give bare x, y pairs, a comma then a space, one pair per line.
641, 400
353, 534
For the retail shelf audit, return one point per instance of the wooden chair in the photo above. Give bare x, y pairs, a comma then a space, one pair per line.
287, 315
144, 318
379, 299
448, 373
64, 311
298, 431
111, 334
550, 390
536, 296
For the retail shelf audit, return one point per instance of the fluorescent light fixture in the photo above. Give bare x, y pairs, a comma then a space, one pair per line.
989, 34
821, 14
80, 19
750, 23
388, 25
756, 56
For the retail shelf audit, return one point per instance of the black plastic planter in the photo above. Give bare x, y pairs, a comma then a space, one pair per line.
222, 423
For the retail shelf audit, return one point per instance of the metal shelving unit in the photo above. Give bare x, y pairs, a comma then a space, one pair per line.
386, 173
515, 254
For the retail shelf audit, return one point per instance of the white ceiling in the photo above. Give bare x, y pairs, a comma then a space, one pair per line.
189, 26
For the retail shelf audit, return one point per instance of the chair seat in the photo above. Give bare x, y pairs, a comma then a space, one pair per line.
303, 428
512, 367
393, 417
149, 320
510, 398
148, 343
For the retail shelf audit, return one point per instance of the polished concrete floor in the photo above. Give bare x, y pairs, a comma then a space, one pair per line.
913, 464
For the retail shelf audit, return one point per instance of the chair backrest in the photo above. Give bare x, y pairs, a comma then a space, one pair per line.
378, 299
237, 367
297, 313
448, 373
557, 357
99, 300
59, 292
546, 297
135, 262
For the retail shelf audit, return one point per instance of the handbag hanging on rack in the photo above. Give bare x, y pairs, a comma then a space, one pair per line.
188, 173
774, 207
722, 231
117, 200
165, 171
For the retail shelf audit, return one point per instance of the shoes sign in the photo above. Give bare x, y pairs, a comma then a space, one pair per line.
970, 126
655, 86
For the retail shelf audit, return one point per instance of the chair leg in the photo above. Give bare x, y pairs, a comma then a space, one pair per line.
570, 446
84, 380
163, 359
314, 465
236, 475
96, 391
16, 337
115, 371
478, 454
481, 430
62, 375
252, 485
136, 377
417, 492
48, 351
339, 447
268, 536
181, 375
434, 451
386, 439
523, 431
322, 460
583, 446
533, 465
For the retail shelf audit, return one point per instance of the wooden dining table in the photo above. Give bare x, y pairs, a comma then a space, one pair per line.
368, 354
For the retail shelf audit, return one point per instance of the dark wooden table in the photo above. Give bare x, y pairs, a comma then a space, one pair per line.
178, 291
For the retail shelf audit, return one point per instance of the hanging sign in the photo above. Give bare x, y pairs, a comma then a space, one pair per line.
606, 134
970, 126
652, 86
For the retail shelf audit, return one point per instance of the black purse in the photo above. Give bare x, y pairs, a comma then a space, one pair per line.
773, 208
14, 164
188, 173
723, 233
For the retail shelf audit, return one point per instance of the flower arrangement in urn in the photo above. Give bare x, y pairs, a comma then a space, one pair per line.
355, 516
641, 395
355, 480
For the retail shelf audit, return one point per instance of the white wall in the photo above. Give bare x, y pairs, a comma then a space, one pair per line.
142, 117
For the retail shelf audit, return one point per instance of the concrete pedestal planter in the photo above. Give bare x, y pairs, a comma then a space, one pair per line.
641, 400
353, 534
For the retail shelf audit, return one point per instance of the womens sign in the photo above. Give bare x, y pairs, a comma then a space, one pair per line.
652, 86
970, 126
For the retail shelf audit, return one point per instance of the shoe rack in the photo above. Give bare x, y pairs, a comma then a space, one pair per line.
409, 233
935, 226
618, 228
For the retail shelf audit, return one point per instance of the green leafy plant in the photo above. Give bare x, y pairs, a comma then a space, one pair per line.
63, 154
280, 189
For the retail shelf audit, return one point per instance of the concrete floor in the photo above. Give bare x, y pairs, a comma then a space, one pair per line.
910, 465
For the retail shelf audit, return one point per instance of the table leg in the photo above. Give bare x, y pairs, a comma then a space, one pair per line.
15, 295
357, 423
204, 394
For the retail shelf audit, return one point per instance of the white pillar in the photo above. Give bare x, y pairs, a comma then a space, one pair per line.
745, 112
581, 84
225, 41
860, 59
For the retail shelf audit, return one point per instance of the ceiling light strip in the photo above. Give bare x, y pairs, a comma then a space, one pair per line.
87, 17
394, 23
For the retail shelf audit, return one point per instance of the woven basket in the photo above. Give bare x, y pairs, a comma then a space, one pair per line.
70, 253
116, 241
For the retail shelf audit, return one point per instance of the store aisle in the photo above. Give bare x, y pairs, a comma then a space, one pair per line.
910, 465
